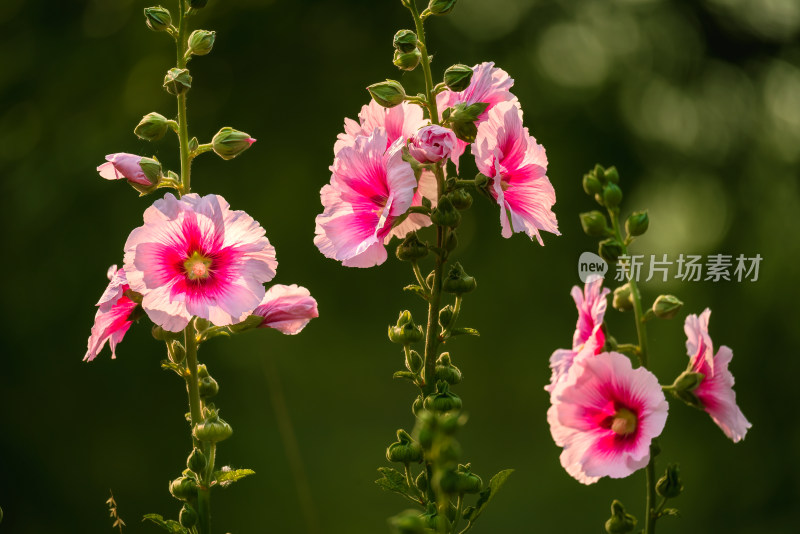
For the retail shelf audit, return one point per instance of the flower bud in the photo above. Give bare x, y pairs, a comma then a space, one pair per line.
213, 429
432, 143
229, 143
441, 7
446, 371
622, 298
452, 241
461, 199
197, 4
445, 316
175, 351
591, 184
422, 481
157, 18
177, 81
637, 223
457, 77
414, 361
152, 127
611, 175
202, 370
407, 60
405, 332
417, 405
187, 517
388, 94
669, 486
666, 306
445, 214
434, 521
457, 281
594, 224
208, 387
201, 42
612, 195
468, 482
197, 461
610, 250
151, 169
405, 450
619, 522
443, 400
408, 522
183, 488
405, 41
411, 248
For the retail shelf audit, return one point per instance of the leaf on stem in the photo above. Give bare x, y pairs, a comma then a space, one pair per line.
170, 525
464, 331
487, 495
393, 480
417, 290
227, 476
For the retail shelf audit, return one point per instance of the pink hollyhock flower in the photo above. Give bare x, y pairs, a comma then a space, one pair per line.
604, 415
370, 188
432, 143
287, 309
517, 167
715, 392
401, 121
196, 256
114, 316
122, 165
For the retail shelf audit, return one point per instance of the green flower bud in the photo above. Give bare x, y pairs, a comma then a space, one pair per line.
151, 169
619, 522
591, 184
213, 429
411, 248
197, 4
683, 388
407, 60
208, 387
405, 331
422, 481
201, 42
441, 7
669, 486
439, 523
152, 127
481, 181
452, 241
599, 173
637, 223
175, 351
417, 405
157, 18
405, 41
667, 306
446, 371
610, 250
457, 281
187, 517
388, 94
611, 175
405, 450
468, 482
612, 195
414, 361
202, 370
622, 298
461, 199
197, 461
466, 131
457, 77
183, 488
594, 224
408, 522
445, 214
445, 316
229, 143
443, 400
177, 81
467, 112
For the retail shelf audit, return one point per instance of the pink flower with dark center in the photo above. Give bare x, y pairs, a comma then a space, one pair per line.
715, 392
370, 188
114, 317
517, 167
401, 121
605, 415
287, 309
195, 256
122, 165
432, 143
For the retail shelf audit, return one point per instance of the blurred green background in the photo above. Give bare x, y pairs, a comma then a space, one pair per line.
696, 102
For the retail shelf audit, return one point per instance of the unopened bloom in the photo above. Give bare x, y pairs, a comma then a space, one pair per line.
287, 309
715, 392
605, 415
115, 314
432, 143
196, 256
517, 168
136, 169
369, 189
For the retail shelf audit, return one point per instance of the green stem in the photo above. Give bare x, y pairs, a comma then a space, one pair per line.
418, 274
459, 508
204, 492
426, 62
192, 382
183, 127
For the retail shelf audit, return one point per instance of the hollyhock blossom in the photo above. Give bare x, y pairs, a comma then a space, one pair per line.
196, 256
516, 166
604, 415
115, 314
715, 392
401, 121
122, 165
432, 143
287, 309
370, 188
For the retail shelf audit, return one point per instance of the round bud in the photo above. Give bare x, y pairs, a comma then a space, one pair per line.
457, 281
610, 250
441, 7
405, 331
445, 213
445, 316
637, 223
411, 248
197, 461
201, 42
212, 430
443, 400
669, 486
152, 127
229, 143
183, 488
405, 450
612, 195
594, 224
208, 387
461, 199
612, 175
177, 81
591, 185
666, 306
187, 517
157, 18
407, 61
619, 522
622, 298
468, 482
388, 94
446, 371
405, 41
408, 522
457, 77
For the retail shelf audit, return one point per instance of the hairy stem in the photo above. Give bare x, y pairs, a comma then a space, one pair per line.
183, 127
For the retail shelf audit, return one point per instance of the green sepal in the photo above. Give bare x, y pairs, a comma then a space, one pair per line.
227, 477
497, 481
169, 525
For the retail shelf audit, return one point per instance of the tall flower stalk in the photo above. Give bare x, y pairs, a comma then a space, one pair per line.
395, 172
196, 269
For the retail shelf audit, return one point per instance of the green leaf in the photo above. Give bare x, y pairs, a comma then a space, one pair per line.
670, 511
405, 374
464, 332
417, 290
393, 480
171, 366
487, 495
171, 526
227, 476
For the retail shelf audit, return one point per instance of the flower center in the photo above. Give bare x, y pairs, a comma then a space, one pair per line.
624, 422
197, 266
